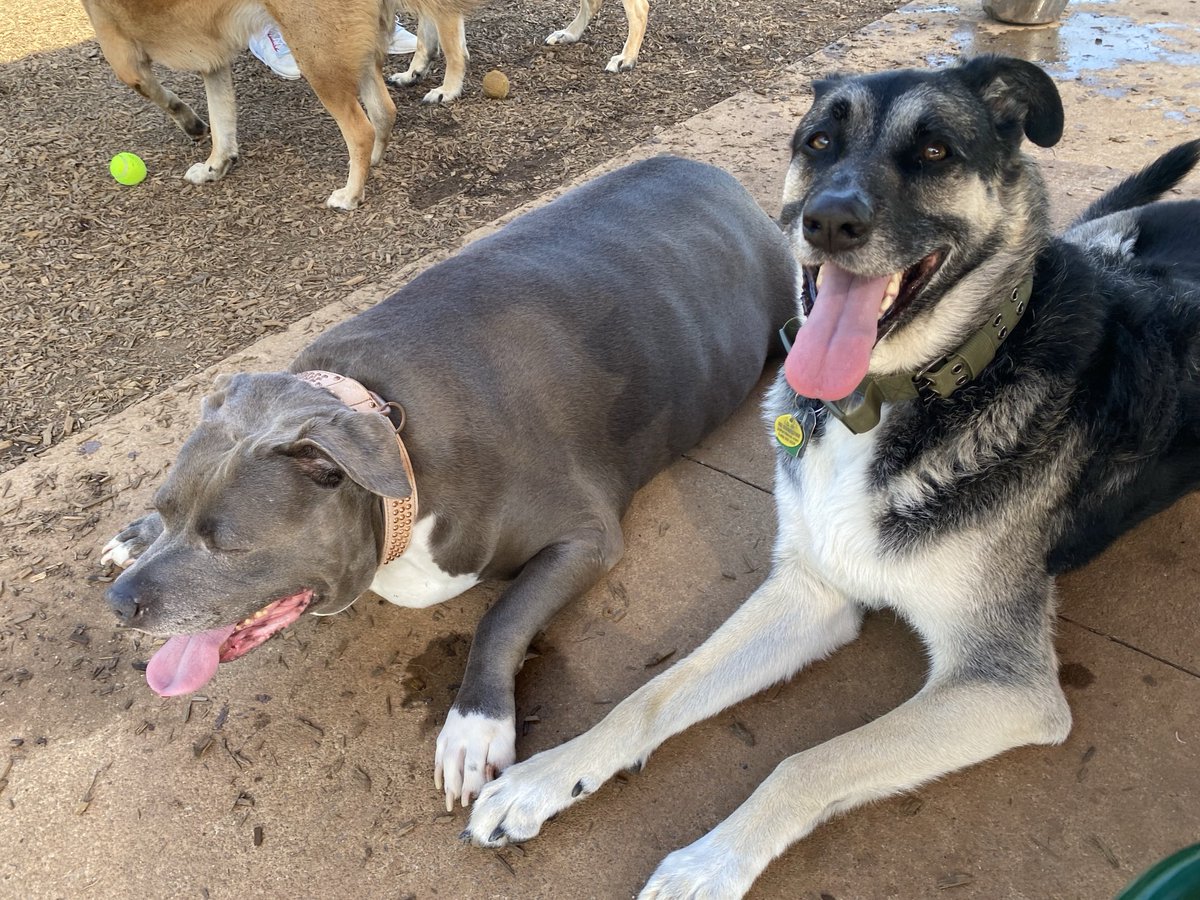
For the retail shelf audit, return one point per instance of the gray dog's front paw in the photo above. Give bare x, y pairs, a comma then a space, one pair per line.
472, 749
124, 549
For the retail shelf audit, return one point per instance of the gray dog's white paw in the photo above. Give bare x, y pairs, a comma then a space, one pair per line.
118, 553
472, 749
131, 541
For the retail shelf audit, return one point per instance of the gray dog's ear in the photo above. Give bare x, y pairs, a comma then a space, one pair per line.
215, 398
361, 446
1022, 97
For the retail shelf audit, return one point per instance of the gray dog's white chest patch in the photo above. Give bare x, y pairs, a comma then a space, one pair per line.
414, 579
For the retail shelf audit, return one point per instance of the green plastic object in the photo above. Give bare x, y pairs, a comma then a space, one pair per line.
1175, 878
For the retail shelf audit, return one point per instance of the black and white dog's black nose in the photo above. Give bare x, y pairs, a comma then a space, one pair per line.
836, 222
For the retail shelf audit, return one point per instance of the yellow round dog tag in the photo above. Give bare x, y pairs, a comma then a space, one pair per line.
789, 433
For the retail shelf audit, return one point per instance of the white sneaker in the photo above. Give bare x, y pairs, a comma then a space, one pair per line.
272, 50
403, 41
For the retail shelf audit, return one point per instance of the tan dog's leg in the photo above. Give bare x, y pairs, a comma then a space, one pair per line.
451, 31
222, 112
636, 13
427, 46
132, 66
336, 85
381, 110
572, 33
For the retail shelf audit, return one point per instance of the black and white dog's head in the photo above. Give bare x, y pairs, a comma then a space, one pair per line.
911, 206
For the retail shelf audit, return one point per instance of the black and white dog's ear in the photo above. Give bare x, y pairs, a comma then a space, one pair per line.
823, 86
360, 446
1022, 97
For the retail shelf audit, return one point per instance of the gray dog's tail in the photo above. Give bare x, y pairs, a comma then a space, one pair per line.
1147, 185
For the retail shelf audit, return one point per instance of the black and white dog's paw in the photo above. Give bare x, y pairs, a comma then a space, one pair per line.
124, 549
472, 749
701, 871
513, 808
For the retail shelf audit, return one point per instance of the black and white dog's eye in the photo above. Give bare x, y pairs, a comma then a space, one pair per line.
819, 141
934, 151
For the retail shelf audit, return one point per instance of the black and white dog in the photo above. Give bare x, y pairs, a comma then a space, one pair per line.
970, 407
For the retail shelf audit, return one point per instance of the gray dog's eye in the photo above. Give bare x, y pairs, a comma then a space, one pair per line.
819, 141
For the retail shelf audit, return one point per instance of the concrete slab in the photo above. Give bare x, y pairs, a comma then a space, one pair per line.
323, 739
306, 769
743, 447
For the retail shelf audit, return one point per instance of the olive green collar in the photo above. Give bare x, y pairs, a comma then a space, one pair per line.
860, 411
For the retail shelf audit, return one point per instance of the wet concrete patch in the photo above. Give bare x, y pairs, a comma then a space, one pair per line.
1083, 42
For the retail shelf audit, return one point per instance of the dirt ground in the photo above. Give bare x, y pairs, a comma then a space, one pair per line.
110, 293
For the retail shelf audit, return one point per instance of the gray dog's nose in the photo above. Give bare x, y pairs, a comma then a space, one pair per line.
122, 597
836, 222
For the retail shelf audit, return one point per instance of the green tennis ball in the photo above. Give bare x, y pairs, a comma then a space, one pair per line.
128, 168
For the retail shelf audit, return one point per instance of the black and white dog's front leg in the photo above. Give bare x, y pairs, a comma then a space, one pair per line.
792, 619
478, 740
988, 692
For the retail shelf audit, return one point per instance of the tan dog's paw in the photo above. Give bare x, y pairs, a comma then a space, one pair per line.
209, 170
344, 198
620, 63
442, 94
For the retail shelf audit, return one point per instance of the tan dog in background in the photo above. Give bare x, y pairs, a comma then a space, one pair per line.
339, 46
444, 27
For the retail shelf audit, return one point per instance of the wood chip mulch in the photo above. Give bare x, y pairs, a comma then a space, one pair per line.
109, 294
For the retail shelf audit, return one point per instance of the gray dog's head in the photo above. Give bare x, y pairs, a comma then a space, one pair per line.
909, 199
271, 509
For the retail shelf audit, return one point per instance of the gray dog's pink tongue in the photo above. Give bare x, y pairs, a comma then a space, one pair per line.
832, 351
186, 662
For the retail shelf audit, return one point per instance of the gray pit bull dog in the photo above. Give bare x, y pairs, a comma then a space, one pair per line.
545, 372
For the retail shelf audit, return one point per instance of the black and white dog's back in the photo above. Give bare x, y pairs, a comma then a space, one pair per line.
970, 406
1134, 288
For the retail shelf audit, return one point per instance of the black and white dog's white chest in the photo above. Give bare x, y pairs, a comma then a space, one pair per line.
862, 531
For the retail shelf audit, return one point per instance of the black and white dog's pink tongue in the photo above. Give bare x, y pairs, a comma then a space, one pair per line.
186, 662
832, 351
